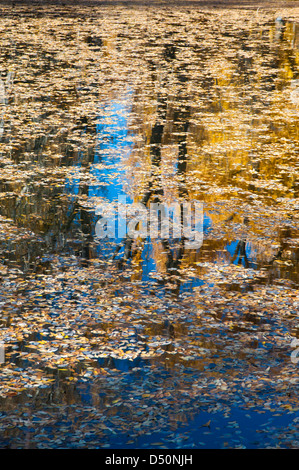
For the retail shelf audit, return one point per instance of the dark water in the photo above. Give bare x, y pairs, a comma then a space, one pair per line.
152, 106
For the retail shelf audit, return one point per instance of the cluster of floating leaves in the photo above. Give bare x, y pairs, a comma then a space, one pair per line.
202, 100
216, 345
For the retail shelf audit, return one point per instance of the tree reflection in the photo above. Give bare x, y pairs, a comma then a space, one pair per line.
210, 126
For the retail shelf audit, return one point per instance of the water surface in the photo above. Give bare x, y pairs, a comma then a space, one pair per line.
120, 342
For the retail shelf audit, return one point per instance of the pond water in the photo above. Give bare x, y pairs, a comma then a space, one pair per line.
143, 341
